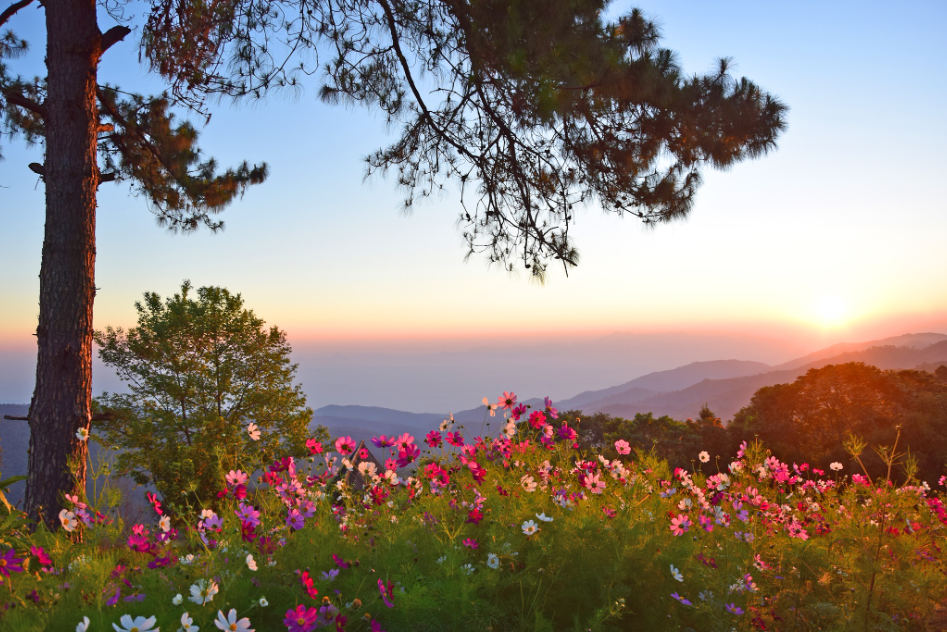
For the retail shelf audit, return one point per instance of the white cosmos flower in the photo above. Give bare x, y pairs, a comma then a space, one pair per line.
493, 561
230, 622
164, 523
263, 602
251, 563
528, 483
83, 625
187, 623
178, 600
82, 434
704, 457
138, 624
836, 466
68, 520
530, 527
203, 591
676, 574
544, 517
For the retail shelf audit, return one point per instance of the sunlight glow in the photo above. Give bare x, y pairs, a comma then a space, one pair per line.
831, 310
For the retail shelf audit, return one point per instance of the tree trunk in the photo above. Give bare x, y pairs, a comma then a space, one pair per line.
62, 398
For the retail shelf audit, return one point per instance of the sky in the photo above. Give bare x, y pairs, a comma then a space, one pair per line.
836, 236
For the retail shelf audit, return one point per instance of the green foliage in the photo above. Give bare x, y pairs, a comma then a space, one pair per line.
198, 372
812, 418
794, 553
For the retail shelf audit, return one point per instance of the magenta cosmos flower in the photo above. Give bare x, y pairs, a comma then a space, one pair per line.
344, 445
302, 619
8, 563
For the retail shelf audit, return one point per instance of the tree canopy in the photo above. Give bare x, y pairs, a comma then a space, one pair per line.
199, 372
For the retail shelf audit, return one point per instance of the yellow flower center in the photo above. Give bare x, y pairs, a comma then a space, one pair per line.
300, 621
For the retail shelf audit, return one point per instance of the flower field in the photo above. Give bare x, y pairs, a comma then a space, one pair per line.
456, 531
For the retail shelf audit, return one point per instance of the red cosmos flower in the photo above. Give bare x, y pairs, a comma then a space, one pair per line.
379, 494
308, 584
537, 419
314, 446
475, 516
153, 499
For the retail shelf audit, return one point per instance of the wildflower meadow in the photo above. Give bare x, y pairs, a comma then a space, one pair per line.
457, 530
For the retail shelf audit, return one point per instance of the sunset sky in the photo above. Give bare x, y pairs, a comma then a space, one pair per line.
840, 234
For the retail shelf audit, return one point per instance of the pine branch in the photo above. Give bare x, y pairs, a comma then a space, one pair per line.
26, 103
12, 9
113, 36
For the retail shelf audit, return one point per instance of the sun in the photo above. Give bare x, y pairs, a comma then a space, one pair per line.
831, 310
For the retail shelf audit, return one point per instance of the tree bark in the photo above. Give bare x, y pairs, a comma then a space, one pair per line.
62, 399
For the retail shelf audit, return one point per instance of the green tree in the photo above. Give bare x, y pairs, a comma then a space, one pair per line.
536, 107
810, 419
199, 371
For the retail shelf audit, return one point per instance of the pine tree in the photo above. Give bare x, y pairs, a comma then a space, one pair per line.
534, 108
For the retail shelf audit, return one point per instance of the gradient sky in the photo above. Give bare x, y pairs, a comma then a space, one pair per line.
838, 235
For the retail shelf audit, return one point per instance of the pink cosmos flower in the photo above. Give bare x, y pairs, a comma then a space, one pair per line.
40, 554
622, 447
507, 400
455, 439
236, 478
315, 447
732, 608
248, 515
433, 439
295, 519
404, 440
408, 454
302, 619
386, 592
680, 524
344, 445
470, 543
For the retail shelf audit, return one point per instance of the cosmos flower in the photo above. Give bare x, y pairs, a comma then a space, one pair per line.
836, 466
680, 524
177, 600
507, 400
68, 520
544, 517
676, 574
230, 622
530, 527
302, 619
622, 447
704, 457
187, 623
254, 431
493, 561
732, 608
138, 624
203, 591
83, 625
251, 563
344, 445
82, 434
470, 543
681, 599
9, 562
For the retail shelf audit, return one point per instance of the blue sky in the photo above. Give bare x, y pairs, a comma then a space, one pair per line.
837, 235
